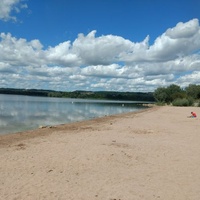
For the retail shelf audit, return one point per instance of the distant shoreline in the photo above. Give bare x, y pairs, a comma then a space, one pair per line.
107, 95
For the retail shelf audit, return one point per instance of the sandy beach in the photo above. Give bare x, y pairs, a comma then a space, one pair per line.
148, 155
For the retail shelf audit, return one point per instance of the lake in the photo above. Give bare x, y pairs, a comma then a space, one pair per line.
20, 113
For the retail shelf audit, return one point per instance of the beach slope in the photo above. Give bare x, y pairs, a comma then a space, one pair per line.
148, 155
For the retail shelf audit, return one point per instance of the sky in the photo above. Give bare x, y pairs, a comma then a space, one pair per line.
99, 45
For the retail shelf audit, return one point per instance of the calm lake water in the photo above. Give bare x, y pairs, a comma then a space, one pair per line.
20, 113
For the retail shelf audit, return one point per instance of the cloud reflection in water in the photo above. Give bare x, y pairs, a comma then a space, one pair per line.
19, 113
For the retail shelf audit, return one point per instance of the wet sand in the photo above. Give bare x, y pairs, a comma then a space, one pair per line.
151, 154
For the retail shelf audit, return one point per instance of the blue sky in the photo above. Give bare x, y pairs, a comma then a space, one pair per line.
118, 45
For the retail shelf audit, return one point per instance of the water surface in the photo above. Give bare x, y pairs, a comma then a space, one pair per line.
20, 113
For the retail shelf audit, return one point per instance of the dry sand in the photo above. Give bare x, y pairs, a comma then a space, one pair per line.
153, 154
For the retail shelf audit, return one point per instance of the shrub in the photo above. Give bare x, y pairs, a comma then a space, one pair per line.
191, 101
181, 102
160, 103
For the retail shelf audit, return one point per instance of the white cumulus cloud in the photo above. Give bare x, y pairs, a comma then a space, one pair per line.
106, 62
7, 7
176, 42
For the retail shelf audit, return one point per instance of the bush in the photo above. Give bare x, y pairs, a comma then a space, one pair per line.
191, 101
181, 102
160, 103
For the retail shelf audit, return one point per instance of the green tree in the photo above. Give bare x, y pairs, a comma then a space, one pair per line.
160, 94
169, 94
193, 91
174, 92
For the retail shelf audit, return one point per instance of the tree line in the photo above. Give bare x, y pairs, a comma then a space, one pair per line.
177, 96
107, 95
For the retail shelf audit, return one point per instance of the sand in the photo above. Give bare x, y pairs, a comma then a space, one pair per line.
148, 155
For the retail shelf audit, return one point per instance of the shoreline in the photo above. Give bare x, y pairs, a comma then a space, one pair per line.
8, 138
28, 125
150, 154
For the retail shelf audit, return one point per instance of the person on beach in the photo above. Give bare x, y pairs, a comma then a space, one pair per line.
193, 115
